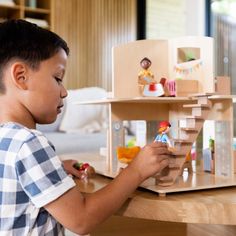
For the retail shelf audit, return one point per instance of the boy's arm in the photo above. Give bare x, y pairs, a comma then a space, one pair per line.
81, 214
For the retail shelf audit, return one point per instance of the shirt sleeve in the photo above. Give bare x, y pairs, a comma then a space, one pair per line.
40, 171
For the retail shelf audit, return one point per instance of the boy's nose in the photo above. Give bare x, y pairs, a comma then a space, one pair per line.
64, 92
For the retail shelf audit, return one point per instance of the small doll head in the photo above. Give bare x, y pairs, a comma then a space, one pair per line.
164, 127
145, 63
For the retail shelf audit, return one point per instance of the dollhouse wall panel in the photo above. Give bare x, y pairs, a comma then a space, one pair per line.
126, 65
223, 85
140, 111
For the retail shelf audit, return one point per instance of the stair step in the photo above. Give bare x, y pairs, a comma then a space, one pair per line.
174, 166
182, 146
189, 129
191, 122
194, 117
165, 179
204, 101
196, 105
164, 184
190, 135
199, 111
181, 141
179, 153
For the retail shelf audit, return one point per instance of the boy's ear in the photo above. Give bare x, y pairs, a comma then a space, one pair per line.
19, 75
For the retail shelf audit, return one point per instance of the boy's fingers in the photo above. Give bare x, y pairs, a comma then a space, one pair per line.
163, 157
164, 163
158, 144
75, 172
160, 151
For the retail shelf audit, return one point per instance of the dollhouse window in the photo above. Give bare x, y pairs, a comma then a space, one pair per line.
188, 54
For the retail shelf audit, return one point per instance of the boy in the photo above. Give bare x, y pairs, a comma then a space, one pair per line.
37, 196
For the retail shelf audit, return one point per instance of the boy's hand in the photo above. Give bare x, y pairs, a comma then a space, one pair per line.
151, 159
70, 169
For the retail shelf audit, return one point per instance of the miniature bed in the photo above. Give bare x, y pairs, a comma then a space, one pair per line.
187, 65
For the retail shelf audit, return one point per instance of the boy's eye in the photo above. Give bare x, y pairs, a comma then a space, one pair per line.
58, 79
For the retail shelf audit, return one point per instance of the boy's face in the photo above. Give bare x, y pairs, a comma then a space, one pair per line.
45, 89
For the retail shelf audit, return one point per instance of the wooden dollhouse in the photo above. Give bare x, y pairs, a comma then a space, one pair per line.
188, 63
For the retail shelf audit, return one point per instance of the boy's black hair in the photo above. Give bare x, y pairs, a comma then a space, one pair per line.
26, 41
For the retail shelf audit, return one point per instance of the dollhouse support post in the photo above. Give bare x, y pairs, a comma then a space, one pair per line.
222, 113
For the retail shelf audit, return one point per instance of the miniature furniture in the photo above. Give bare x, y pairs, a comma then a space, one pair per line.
194, 81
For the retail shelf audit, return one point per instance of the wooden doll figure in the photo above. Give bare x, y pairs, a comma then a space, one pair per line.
145, 76
147, 84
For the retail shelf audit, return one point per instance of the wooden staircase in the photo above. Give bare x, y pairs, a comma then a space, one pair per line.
188, 133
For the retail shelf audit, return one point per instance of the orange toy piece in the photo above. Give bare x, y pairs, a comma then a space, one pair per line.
127, 154
187, 164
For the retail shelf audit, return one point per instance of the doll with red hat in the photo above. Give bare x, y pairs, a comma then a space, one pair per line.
163, 130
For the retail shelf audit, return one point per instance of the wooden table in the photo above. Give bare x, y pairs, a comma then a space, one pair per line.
215, 206
208, 206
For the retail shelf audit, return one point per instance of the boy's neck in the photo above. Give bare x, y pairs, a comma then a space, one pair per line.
15, 113
7, 119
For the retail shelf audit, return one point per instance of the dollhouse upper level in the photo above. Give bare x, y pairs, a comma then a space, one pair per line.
187, 62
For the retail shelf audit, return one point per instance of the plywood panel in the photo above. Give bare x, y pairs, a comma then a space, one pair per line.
140, 111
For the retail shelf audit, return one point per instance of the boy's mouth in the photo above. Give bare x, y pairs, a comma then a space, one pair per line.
59, 108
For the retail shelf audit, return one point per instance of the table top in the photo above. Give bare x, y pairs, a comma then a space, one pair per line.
214, 206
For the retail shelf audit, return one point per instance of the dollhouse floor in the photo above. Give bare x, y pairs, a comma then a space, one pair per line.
199, 180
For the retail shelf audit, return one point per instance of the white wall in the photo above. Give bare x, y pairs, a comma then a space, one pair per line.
195, 17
